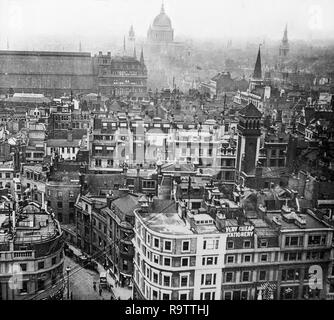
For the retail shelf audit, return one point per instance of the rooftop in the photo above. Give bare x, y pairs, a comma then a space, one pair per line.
33, 225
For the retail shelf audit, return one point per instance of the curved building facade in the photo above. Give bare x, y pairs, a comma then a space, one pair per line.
31, 254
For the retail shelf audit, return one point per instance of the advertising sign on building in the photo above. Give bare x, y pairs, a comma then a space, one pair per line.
240, 231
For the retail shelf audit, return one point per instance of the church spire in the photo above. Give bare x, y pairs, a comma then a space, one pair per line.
258, 67
142, 56
124, 48
285, 36
162, 8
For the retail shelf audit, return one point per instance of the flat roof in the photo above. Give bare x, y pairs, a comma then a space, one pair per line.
166, 223
311, 222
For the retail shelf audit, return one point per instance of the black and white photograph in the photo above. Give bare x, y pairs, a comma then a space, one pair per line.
169, 150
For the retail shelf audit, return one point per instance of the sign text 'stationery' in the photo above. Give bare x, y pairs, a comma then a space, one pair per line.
240, 231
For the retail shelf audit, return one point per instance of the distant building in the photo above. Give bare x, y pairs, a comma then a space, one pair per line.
161, 30
284, 47
54, 73
121, 75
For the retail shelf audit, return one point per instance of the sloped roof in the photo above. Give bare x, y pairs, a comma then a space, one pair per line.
127, 204
250, 111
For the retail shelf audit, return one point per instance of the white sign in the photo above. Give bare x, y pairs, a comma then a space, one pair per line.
240, 231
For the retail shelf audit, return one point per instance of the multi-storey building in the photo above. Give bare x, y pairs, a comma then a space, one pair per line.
178, 256
121, 75
274, 149
61, 191
6, 175
120, 223
31, 253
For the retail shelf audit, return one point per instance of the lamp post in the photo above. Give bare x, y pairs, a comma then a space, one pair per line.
68, 269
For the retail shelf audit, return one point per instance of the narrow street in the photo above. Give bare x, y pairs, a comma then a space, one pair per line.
81, 283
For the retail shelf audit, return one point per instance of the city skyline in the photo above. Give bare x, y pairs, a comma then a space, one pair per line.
29, 20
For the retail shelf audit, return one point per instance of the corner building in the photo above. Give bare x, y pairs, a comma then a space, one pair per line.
176, 257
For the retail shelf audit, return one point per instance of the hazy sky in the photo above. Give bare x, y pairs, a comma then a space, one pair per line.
193, 18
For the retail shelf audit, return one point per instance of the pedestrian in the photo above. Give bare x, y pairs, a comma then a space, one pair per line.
111, 297
100, 291
94, 286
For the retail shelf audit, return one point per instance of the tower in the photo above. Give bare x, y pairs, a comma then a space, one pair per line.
131, 40
284, 47
124, 47
142, 57
249, 133
256, 78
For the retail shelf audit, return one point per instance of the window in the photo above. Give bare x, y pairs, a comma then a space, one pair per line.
24, 288
294, 241
155, 277
210, 244
230, 244
247, 244
168, 245
264, 257
263, 243
316, 240
292, 256
183, 296
40, 285
209, 260
229, 276
184, 280
165, 296
148, 184
59, 204
247, 258
23, 266
59, 194
154, 295
290, 274
54, 260
246, 276
167, 261
184, 262
166, 281
125, 265
156, 243
262, 275
155, 258
228, 295
230, 259
208, 279
40, 265
185, 246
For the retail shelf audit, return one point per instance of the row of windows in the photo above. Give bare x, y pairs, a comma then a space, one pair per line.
246, 276
247, 244
298, 241
264, 257
6, 175
59, 194
162, 260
